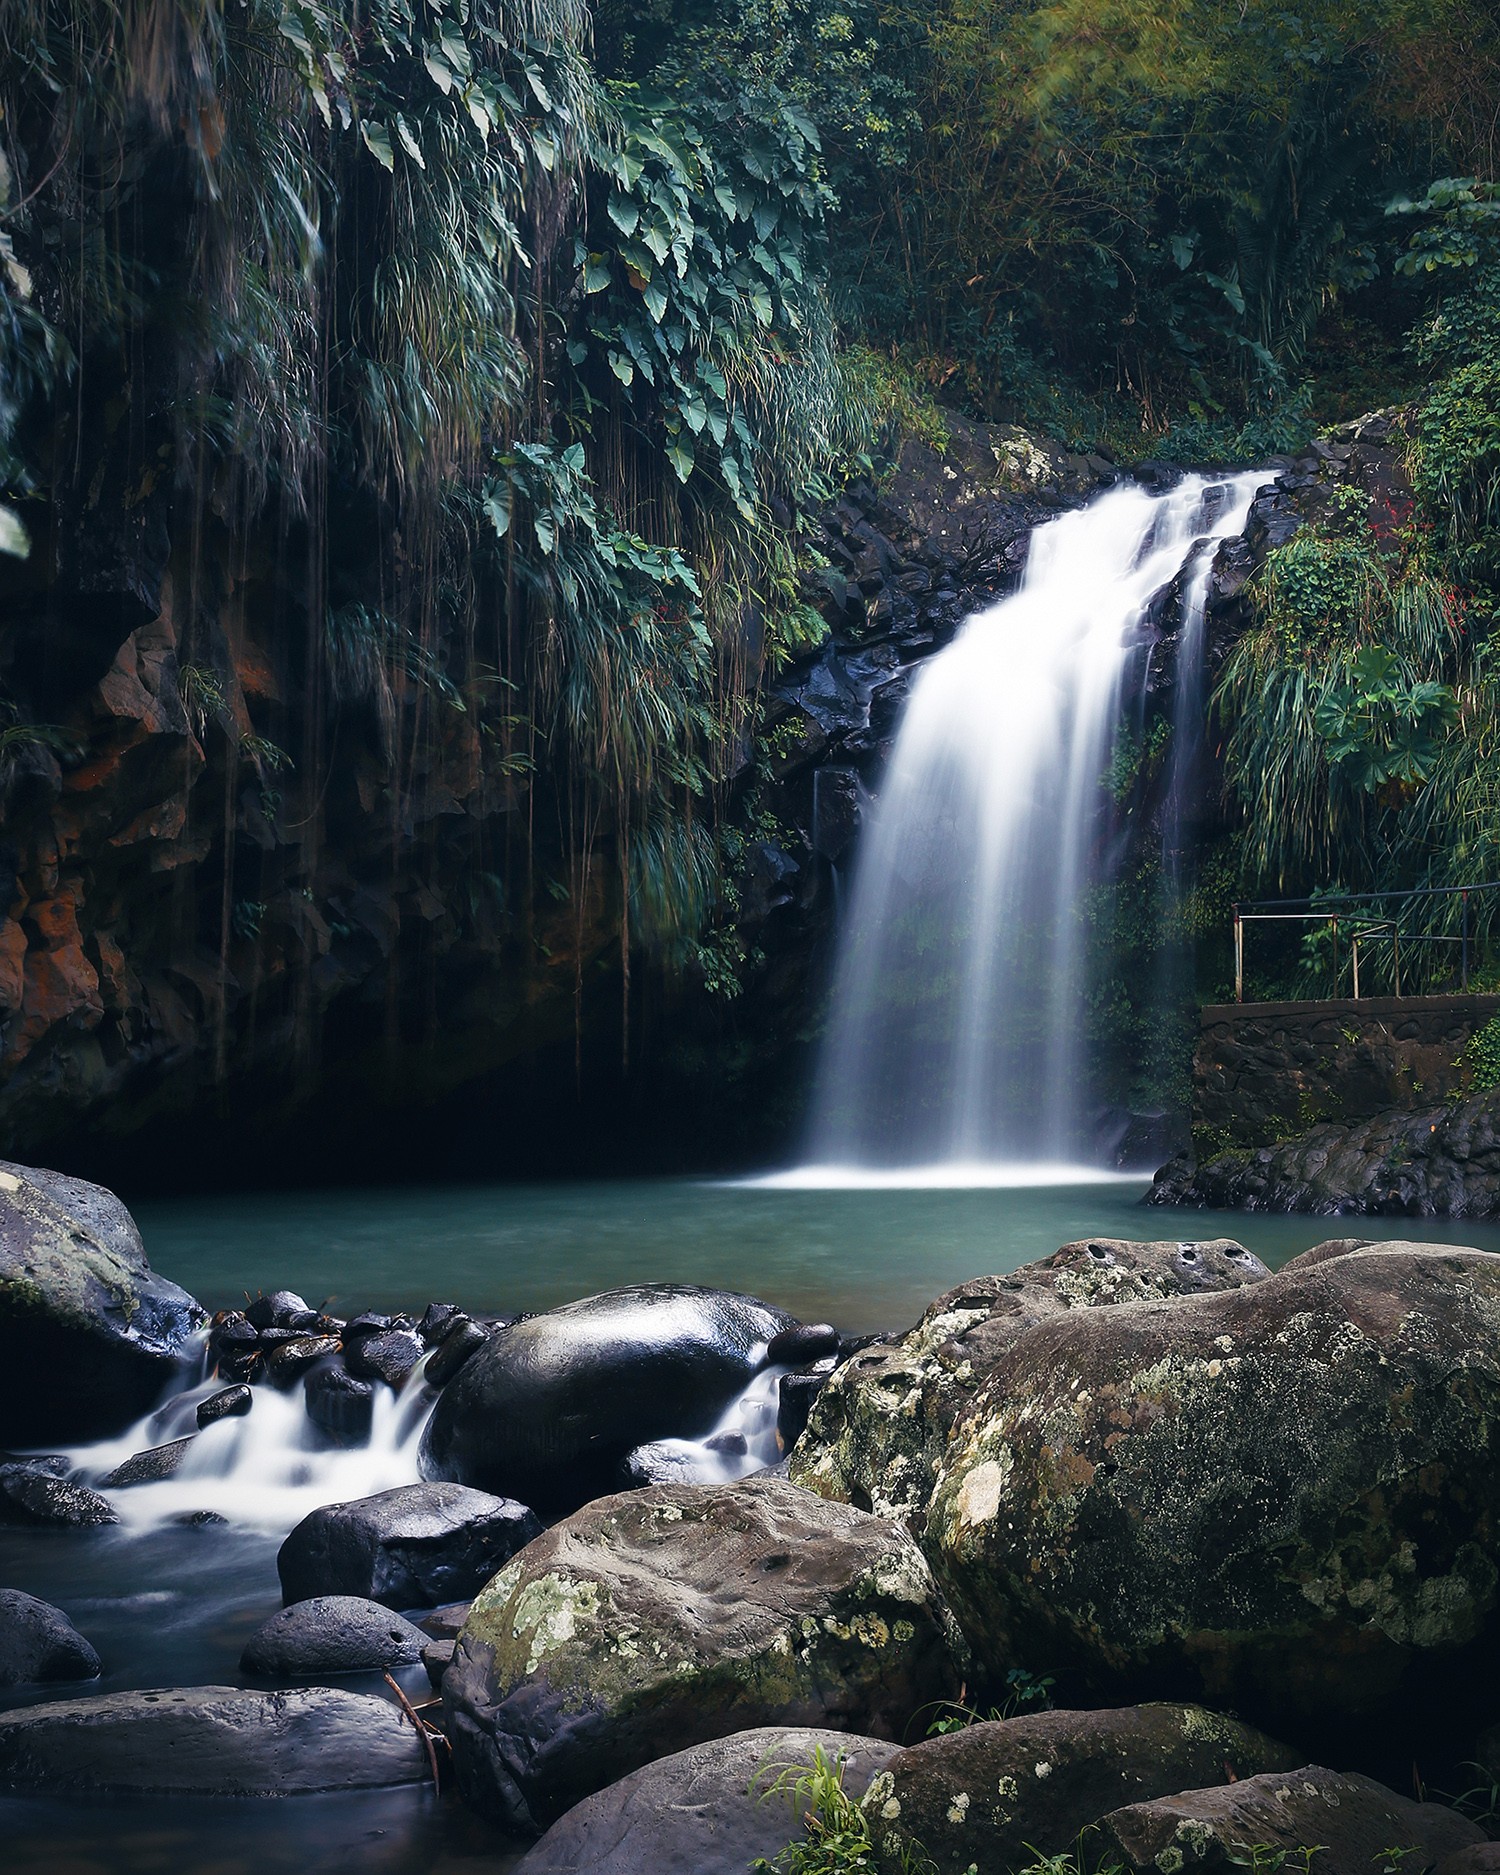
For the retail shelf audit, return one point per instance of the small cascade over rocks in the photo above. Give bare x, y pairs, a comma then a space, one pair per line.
959, 1016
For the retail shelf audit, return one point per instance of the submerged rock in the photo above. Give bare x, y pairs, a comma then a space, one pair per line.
150, 1466
878, 1430
211, 1741
28, 1495
332, 1634
662, 1618
413, 1547
38, 1642
89, 1336
1354, 1823
709, 1810
548, 1407
1011, 1792
1282, 1498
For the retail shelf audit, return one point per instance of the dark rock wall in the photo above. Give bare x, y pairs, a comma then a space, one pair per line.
1263, 1072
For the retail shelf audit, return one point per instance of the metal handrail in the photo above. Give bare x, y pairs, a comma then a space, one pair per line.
1269, 911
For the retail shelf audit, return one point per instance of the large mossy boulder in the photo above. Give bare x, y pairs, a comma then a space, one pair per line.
211, 1741
1007, 1793
880, 1427
89, 1336
714, 1809
547, 1408
1352, 1825
662, 1618
1283, 1499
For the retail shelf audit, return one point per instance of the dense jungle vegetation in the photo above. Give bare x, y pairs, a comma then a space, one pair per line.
525, 344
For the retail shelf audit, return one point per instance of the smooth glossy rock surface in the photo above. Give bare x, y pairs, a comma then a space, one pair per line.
211, 1740
32, 1496
547, 1408
662, 1618
89, 1335
332, 1634
703, 1811
38, 1643
413, 1547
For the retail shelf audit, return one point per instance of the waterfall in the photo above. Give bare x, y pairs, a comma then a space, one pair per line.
956, 1039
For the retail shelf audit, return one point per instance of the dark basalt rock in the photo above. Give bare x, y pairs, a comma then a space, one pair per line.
339, 1403
803, 1342
662, 1618
389, 1356
38, 1642
437, 1319
227, 1403
1282, 1498
211, 1741
149, 1467
794, 1402
89, 1336
29, 1496
1354, 1821
283, 1308
461, 1338
1436, 1162
878, 1430
704, 1811
437, 1657
548, 1407
413, 1547
1008, 1793
332, 1634
287, 1363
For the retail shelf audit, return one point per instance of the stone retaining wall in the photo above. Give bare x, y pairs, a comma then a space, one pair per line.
1263, 1072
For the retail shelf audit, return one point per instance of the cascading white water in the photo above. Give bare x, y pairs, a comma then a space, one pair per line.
961, 1000
268, 1470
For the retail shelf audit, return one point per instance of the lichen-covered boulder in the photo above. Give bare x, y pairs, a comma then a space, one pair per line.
416, 1546
1009, 1792
1281, 1499
89, 1336
878, 1429
1353, 1823
661, 1618
714, 1809
547, 1407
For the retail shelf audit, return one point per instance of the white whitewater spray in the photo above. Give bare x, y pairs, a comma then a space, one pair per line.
961, 1000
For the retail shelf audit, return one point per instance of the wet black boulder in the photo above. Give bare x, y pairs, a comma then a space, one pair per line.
549, 1406
332, 1634
38, 1642
414, 1547
89, 1336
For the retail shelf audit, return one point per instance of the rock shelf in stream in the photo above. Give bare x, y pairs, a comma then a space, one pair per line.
211, 1741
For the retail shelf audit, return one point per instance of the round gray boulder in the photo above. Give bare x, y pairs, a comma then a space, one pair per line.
709, 1810
332, 1634
38, 1642
547, 1407
89, 1336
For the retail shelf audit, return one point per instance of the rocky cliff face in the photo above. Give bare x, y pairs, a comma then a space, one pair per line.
243, 917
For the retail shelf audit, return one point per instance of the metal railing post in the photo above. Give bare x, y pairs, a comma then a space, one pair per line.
1239, 957
1335, 958
1396, 956
1354, 948
1464, 968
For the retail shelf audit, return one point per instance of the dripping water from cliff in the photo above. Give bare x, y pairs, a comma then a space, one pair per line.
957, 1047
